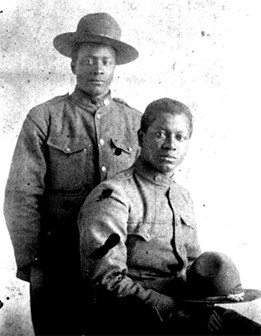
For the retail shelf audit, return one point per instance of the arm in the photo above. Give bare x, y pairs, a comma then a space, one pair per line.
106, 211
24, 193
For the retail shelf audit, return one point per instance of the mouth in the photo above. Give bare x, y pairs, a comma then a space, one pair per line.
96, 81
170, 158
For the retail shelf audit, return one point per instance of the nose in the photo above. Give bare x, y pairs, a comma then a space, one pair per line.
97, 68
170, 143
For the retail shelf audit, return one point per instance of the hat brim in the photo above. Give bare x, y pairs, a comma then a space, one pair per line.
65, 43
250, 295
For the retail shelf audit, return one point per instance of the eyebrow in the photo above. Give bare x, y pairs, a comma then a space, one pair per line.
180, 131
164, 128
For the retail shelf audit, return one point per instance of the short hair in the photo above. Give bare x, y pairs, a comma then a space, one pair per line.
165, 105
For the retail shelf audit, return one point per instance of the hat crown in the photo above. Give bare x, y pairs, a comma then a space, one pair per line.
101, 24
213, 274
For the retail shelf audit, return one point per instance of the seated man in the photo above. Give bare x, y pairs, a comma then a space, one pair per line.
138, 234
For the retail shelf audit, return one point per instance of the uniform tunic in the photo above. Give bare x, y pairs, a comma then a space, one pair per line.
154, 219
66, 147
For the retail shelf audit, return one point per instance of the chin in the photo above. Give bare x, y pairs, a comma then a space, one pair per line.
166, 172
169, 170
93, 91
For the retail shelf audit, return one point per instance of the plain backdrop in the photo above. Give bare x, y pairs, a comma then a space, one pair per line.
204, 53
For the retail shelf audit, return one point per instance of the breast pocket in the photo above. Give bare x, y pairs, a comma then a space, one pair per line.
187, 223
124, 154
71, 167
184, 233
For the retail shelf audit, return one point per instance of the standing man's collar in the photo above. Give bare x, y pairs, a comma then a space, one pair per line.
149, 173
81, 98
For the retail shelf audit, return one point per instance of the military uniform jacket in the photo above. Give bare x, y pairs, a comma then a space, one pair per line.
154, 219
65, 148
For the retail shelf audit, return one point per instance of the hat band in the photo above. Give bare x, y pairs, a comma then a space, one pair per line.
81, 36
232, 297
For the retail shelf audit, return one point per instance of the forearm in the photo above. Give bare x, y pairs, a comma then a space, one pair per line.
24, 225
120, 285
24, 197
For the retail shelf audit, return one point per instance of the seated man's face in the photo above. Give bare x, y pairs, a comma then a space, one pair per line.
94, 68
165, 143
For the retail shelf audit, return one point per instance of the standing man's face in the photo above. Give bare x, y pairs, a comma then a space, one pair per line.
94, 68
165, 143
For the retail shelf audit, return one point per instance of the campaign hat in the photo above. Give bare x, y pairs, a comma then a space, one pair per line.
99, 28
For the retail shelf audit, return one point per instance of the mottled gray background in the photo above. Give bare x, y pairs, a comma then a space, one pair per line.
204, 53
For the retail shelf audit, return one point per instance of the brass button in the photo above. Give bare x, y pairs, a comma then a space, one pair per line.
106, 102
158, 178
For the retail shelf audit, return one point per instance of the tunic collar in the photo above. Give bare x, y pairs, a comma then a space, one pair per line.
81, 98
152, 175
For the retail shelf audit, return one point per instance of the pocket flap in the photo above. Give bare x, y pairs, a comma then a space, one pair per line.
68, 147
186, 219
123, 145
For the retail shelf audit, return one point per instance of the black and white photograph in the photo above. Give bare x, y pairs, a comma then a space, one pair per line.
130, 175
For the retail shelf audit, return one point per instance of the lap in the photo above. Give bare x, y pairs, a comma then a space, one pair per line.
130, 316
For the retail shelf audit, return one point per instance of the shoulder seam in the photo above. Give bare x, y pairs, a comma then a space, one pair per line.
53, 100
125, 174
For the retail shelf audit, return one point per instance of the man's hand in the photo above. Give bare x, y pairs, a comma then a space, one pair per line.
36, 279
201, 318
215, 322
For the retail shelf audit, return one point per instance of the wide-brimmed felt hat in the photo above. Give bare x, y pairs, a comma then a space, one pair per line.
99, 28
214, 278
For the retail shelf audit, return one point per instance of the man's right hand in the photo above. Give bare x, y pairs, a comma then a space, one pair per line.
201, 318
36, 278
215, 322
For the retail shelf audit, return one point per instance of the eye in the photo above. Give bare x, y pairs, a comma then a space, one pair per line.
160, 134
180, 137
107, 62
87, 61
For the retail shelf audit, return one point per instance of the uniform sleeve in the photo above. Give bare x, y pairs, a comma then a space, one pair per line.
24, 192
106, 212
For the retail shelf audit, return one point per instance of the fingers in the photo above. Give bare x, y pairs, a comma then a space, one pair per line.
215, 322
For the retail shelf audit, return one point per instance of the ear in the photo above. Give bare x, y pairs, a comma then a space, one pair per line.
73, 67
140, 137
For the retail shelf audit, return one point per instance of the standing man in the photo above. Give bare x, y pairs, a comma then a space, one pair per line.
66, 147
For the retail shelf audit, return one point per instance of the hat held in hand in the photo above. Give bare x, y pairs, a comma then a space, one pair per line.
214, 278
99, 28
